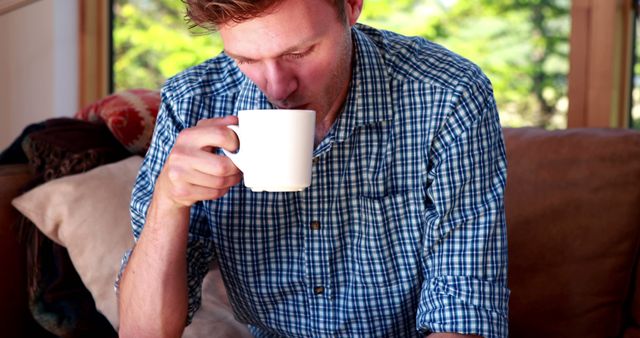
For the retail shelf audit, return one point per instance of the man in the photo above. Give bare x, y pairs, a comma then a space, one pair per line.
402, 232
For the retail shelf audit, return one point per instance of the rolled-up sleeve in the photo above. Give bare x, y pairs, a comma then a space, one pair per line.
465, 245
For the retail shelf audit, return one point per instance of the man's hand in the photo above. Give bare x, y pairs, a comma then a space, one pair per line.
192, 171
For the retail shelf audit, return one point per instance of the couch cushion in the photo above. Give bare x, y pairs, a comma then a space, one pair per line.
573, 215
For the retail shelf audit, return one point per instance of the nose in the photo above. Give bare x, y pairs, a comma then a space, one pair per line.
280, 82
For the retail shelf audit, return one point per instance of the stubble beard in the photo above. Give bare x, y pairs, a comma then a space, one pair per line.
337, 89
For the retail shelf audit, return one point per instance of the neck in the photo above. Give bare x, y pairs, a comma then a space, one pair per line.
323, 125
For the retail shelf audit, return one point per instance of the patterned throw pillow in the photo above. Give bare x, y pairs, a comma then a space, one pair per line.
130, 115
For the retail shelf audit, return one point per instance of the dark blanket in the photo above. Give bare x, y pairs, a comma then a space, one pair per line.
55, 148
14, 153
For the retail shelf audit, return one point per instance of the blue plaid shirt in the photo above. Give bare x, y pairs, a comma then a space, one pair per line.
402, 231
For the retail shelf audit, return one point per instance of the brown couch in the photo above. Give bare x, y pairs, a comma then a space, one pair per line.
15, 319
573, 215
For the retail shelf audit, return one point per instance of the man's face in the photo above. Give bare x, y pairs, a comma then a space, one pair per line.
299, 55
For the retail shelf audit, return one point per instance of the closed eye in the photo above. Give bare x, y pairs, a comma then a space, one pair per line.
240, 60
300, 55
243, 61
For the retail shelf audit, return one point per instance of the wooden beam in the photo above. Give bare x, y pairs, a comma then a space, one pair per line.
600, 63
579, 62
626, 21
94, 50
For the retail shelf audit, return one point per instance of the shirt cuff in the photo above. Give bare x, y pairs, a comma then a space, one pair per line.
464, 305
123, 265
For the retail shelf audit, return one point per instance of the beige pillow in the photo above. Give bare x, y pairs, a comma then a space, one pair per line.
215, 317
89, 215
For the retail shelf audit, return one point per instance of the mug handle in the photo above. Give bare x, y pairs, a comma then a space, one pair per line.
235, 157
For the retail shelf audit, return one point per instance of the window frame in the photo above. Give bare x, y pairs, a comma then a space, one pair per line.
600, 63
94, 46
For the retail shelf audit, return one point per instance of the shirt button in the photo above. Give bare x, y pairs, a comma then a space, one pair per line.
318, 290
315, 225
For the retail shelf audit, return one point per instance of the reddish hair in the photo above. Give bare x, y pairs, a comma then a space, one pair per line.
211, 14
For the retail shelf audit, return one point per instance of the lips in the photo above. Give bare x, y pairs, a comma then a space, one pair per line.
289, 103
291, 106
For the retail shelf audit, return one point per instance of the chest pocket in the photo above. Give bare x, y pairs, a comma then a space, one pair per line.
386, 239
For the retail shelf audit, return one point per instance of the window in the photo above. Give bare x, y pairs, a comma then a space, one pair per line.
523, 46
634, 114
152, 41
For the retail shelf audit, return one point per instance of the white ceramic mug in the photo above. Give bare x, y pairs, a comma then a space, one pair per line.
276, 148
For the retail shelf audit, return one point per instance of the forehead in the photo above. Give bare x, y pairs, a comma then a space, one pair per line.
289, 24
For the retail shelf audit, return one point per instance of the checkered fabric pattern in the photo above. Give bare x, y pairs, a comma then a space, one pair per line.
402, 231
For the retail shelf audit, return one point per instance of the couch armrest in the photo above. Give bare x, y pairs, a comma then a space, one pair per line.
14, 312
572, 205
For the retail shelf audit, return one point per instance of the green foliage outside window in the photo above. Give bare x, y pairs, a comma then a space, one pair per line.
521, 45
152, 42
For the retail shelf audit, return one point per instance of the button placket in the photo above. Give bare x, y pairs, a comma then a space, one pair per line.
317, 261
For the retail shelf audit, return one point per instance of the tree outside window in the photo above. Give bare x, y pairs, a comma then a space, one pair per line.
523, 46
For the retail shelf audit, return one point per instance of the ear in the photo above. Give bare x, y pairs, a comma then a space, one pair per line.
352, 10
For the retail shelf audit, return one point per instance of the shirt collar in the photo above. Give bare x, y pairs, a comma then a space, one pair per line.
369, 97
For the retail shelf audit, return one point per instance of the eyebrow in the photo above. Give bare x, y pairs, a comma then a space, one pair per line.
303, 45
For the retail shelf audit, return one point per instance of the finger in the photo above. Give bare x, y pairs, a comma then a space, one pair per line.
223, 121
213, 164
219, 121
182, 178
200, 179
195, 193
185, 153
207, 137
